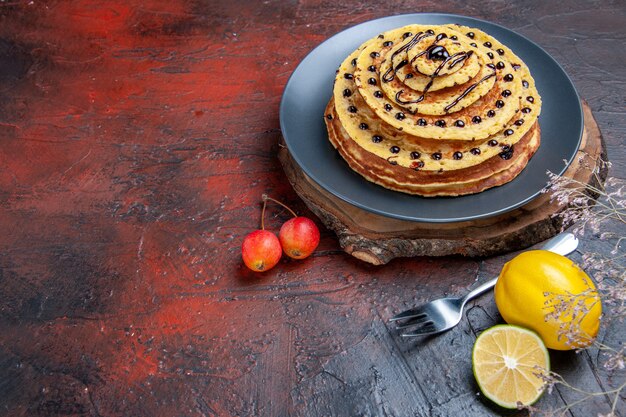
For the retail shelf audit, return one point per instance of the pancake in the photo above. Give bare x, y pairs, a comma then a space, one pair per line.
378, 137
438, 112
445, 99
435, 100
497, 170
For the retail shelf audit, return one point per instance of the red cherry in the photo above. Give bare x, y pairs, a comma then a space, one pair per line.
261, 250
299, 237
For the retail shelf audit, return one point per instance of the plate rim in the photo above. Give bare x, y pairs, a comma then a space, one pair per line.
482, 216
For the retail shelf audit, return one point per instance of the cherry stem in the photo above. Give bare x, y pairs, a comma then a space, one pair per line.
265, 197
263, 215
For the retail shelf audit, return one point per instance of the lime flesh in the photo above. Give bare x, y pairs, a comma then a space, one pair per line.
507, 362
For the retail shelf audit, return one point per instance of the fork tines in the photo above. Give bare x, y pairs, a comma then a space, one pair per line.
426, 329
412, 318
408, 314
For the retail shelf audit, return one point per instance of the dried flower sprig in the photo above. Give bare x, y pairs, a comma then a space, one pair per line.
589, 205
552, 379
569, 311
598, 208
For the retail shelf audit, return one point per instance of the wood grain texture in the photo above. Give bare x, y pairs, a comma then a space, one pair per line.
378, 239
136, 141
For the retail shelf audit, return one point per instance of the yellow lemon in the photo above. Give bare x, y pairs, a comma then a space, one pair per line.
551, 295
508, 362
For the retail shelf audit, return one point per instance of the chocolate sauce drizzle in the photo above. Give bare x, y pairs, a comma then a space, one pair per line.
435, 52
460, 58
452, 60
410, 44
467, 91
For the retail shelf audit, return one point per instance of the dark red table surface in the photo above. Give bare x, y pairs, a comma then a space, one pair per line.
136, 139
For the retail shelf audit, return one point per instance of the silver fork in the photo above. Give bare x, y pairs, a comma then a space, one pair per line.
443, 314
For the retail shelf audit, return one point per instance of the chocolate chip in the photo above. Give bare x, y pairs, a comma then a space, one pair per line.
363, 126
508, 77
500, 51
348, 76
519, 122
378, 94
470, 35
525, 83
371, 81
492, 142
377, 138
491, 113
353, 62
500, 65
329, 117
526, 110
436, 156
387, 43
406, 35
437, 53
530, 99
400, 116
475, 151
394, 149
388, 107
454, 38
409, 76
508, 132
374, 54
440, 123
352, 109
457, 155
422, 122
473, 44
459, 123
476, 119
499, 104
371, 68
506, 153
490, 55
347, 92
415, 155
487, 44
506, 93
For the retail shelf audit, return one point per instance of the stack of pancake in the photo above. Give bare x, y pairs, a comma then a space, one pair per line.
434, 110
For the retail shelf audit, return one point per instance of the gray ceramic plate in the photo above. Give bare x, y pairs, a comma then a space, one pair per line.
310, 88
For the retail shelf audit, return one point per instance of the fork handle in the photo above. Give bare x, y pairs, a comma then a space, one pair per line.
563, 244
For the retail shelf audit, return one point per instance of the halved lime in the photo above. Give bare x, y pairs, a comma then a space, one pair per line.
508, 361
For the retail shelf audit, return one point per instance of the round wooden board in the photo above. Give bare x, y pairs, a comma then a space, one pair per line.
378, 239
